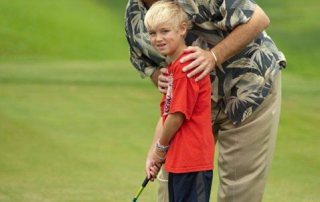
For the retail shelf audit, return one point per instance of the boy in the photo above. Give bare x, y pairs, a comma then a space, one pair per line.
186, 142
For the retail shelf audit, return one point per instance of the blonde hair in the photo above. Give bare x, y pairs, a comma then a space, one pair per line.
165, 12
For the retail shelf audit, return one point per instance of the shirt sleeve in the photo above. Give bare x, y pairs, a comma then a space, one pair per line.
140, 62
233, 13
184, 96
142, 55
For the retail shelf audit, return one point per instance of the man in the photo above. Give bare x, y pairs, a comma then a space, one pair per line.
229, 42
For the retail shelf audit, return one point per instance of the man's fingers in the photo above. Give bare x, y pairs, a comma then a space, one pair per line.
163, 84
162, 78
190, 49
164, 70
203, 74
191, 56
202, 62
163, 81
192, 65
200, 68
162, 90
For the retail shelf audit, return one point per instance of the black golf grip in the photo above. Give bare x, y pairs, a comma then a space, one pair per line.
145, 182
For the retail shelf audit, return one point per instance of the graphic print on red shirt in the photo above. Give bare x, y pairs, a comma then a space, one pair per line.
168, 97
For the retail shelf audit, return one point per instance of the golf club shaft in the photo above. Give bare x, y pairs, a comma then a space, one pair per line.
144, 184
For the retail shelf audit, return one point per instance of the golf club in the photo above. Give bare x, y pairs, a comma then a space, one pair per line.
144, 184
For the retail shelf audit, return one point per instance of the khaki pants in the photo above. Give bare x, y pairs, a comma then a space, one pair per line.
245, 151
163, 192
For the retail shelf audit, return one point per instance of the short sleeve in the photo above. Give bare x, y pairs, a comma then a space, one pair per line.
184, 96
234, 13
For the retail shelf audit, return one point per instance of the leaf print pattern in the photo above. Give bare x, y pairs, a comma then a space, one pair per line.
240, 84
142, 55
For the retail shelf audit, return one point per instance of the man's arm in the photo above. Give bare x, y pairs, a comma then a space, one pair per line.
160, 80
241, 36
228, 47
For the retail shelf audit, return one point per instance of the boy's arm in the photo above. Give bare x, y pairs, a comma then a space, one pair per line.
152, 171
164, 134
170, 128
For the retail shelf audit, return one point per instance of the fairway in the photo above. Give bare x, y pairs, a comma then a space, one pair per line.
79, 131
73, 135
76, 120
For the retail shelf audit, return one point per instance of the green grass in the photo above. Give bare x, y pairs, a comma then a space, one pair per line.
93, 30
75, 137
51, 30
295, 173
76, 120
294, 27
80, 132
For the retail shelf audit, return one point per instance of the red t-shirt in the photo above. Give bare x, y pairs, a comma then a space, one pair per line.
192, 148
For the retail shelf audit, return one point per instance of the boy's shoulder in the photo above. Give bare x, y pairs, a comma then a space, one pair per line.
177, 61
176, 67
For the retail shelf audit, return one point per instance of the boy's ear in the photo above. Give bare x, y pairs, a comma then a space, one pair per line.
183, 28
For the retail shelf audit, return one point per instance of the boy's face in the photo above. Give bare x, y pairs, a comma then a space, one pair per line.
167, 39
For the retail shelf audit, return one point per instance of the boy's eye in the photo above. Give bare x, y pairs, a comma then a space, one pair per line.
152, 33
165, 30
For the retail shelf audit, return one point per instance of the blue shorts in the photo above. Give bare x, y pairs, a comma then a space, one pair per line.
190, 187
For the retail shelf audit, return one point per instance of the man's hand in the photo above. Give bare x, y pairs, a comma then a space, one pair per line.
160, 79
203, 62
163, 80
154, 76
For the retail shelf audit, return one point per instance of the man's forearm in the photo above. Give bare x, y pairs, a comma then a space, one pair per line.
241, 36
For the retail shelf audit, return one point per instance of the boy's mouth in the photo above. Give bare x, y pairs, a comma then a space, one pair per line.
161, 46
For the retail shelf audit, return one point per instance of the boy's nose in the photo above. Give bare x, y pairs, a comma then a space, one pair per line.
158, 37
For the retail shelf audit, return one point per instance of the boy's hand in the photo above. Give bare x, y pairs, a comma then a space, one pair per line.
154, 170
151, 168
154, 163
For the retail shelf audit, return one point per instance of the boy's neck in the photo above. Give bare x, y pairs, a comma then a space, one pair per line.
176, 54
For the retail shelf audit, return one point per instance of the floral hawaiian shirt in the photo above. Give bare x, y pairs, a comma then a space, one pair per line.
241, 83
